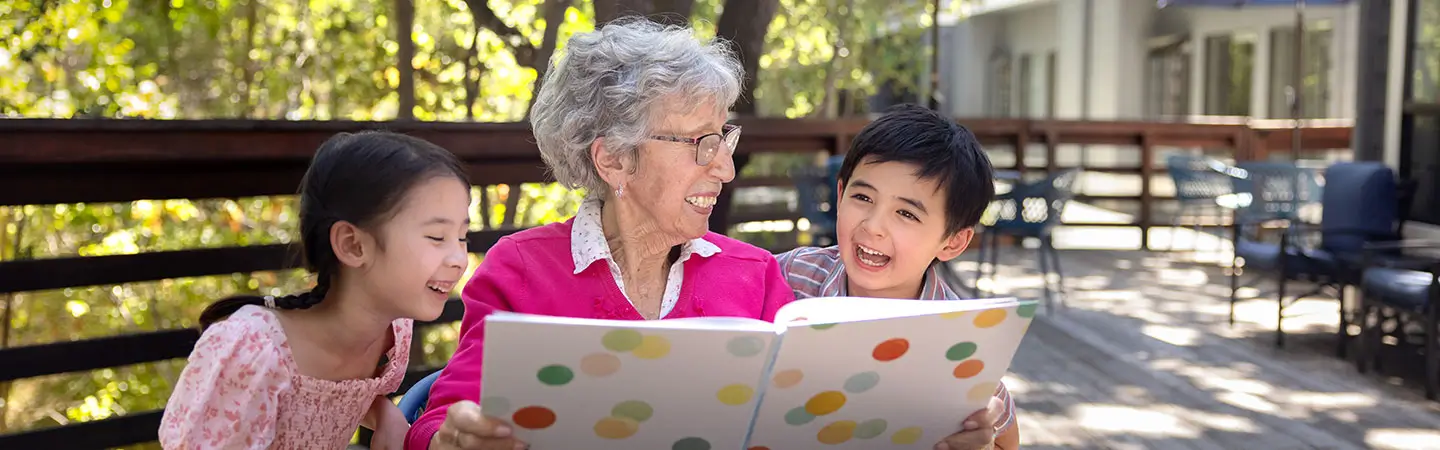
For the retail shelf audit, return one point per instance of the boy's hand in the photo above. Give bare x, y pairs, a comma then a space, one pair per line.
977, 432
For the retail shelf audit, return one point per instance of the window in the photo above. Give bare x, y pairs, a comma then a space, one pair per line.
1315, 65
1001, 79
1420, 125
1025, 95
1168, 81
1229, 64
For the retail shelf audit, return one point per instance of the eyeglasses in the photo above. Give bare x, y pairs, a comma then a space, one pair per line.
707, 146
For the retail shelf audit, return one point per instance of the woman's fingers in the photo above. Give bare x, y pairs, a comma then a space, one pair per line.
467, 417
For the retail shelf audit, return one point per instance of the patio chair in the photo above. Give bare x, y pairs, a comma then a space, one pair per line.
817, 198
1030, 210
1200, 182
413, 401
1403, 304
1359, 207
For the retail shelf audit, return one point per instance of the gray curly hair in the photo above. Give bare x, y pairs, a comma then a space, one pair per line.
609, 83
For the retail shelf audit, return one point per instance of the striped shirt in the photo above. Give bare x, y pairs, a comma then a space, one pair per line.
819, 272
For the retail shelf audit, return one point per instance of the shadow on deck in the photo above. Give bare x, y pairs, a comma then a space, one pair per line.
1141, 356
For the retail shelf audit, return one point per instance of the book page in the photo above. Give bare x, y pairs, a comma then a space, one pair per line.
893, 383
598, 384
821, 310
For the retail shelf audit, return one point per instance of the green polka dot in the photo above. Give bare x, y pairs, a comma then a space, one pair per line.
634, 410
823, 326
861, 382
745, 346
555, 375
691, 443
798, 416
495, 406
1027, 310
621, 340
961, 351
870, 428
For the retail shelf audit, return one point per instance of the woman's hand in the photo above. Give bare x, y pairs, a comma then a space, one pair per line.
465, 428
978, 430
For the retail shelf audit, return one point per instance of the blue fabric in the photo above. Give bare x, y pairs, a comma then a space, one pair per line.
1408, 289
1034, 209
412, 404
1359, 206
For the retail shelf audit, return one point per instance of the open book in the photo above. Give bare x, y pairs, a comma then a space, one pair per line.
843, 372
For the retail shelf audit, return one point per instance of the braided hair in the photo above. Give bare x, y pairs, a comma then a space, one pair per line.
358, 178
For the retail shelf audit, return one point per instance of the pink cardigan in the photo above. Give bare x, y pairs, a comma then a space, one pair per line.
532, 271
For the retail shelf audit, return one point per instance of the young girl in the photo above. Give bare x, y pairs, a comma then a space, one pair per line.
383, 219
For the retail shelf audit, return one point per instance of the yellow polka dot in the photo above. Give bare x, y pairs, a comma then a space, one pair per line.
953, 315
982, 392
735, 394
652, 347
825, 403
990, 318
837, 432
616, 427
906, 436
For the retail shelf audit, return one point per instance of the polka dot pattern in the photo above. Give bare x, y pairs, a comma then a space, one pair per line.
533, 418
735, 394
907, 436
989, 318
837, 432
862, 382
555, 375
891, 349
691, 443
599, 364
825, 403
788, 378
745, 346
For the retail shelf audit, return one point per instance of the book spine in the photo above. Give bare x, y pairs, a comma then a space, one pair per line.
764, 385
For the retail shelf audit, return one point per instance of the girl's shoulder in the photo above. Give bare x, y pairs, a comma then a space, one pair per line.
253, 333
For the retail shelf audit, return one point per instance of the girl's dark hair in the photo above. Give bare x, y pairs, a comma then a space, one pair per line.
354, 177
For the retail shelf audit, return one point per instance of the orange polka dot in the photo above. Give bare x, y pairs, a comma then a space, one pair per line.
969, 368
788, 378
891, 350
534, 417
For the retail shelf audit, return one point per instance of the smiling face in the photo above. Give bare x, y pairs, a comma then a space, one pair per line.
422, 250
664, 186
890, 227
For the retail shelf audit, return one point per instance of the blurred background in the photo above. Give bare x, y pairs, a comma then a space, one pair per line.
148, 150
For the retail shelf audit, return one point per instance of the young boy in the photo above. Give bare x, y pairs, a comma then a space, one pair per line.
912, 188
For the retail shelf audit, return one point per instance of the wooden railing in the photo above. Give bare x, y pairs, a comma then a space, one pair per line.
73, 161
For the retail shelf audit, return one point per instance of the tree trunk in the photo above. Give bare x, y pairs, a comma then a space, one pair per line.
827, 106
554, 16
405, 57
744, 23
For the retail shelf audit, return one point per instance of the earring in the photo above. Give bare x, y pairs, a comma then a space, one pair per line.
620, 191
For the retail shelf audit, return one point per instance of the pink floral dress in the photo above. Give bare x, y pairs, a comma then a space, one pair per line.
241, 390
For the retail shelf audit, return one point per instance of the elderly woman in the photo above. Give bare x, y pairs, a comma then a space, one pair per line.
634, 113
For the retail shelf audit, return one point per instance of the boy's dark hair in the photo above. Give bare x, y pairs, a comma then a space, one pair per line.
942, 149
358, 178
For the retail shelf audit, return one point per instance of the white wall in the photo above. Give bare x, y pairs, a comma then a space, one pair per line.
1119, 32
1200, 23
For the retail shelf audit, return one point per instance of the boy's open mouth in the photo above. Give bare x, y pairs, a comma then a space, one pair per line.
871, 257
441, 287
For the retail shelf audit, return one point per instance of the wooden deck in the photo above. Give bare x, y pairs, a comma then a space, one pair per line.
1142, 357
